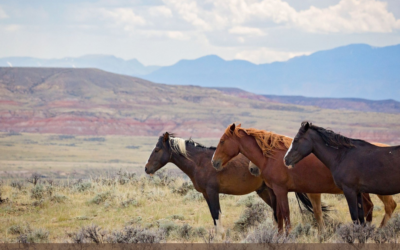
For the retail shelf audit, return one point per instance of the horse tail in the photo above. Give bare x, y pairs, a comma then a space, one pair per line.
303, 198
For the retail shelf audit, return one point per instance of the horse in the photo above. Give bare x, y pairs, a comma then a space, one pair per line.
357, 166
266, 150
194, 160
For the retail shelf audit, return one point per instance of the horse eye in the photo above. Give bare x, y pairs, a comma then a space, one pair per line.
222, 142
157, 149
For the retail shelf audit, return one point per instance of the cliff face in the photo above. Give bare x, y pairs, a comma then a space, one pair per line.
94, 102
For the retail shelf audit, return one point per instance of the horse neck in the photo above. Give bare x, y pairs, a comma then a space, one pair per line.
327, 155
186, 165
249, 148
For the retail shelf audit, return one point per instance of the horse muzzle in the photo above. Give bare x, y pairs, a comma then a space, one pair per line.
217, 164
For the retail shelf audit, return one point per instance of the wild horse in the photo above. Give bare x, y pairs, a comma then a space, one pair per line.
357, 166
194, 160
266, 150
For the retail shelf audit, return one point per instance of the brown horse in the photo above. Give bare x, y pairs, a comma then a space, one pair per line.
194, 160
357, 166
266, 150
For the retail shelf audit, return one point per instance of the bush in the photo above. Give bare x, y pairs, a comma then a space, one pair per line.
17, 184
130, 202
301, 230
15, 229
184, 188
199, 231
38, 192
167, 227
252, 215
246, 200
390, 232
100, 198
89, 234
268, 234
59, 198
193, 195
82, 186
136, 235
350, 233
185, 231
27, 235
177, 217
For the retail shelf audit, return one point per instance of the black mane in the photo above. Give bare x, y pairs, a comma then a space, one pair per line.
191, 142
333, 139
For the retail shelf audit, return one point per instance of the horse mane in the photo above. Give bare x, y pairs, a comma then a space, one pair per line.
331, 138
178, 145
266, 140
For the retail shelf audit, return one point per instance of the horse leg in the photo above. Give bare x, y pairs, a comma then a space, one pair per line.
360, 209
215, 210
317, 208
351, 198
390, 206
269, 197
368, 207
283, 207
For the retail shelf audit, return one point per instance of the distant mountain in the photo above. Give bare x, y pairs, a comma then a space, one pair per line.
357, 70
103, 62
95, 102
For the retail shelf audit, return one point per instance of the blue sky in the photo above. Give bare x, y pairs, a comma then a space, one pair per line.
162, 32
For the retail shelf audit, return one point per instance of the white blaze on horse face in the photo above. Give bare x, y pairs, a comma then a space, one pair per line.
287, 152
212, 159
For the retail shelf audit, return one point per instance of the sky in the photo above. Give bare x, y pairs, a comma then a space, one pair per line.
162, 32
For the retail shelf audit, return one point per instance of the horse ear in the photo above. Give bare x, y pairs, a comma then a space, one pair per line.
232, 128
240, 125
307, 126
166, 136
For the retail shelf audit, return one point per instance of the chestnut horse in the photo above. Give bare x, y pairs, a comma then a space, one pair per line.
194, 160
357, 166
266, 150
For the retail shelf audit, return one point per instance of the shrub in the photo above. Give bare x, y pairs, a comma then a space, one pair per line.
82, 186
32, 236
58, 198
167, 227
246, 200
89, 234
130, 202
17, 184
193, 195
350, 233
136, 235
38, 192
185, 231
199, 231
252, 215
100, 197
177, 217
301, 230
184, 188
268, 234
15, 229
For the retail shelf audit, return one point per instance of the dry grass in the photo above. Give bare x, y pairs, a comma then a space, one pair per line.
53, 213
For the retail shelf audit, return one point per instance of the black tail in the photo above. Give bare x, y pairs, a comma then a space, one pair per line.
303, 198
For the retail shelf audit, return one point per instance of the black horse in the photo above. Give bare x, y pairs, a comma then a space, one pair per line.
356, 165
194, 160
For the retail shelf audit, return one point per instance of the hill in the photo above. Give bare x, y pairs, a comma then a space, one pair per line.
95, 102
356, 71
104, 62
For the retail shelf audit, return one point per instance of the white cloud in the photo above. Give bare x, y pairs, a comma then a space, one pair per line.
348, 16
241, 30
123, 16
265, 55
3, 14
161, 10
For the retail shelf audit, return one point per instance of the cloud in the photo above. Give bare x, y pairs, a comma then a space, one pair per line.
161, 10
241, 30
265, 55
123, 16
3, 14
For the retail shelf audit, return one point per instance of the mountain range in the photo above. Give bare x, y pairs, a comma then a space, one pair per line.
353, 71
95, 102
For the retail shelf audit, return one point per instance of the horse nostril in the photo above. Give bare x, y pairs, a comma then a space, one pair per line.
145, 169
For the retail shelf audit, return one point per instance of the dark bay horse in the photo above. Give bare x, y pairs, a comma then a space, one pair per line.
357, 166
194, 160
266, 150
